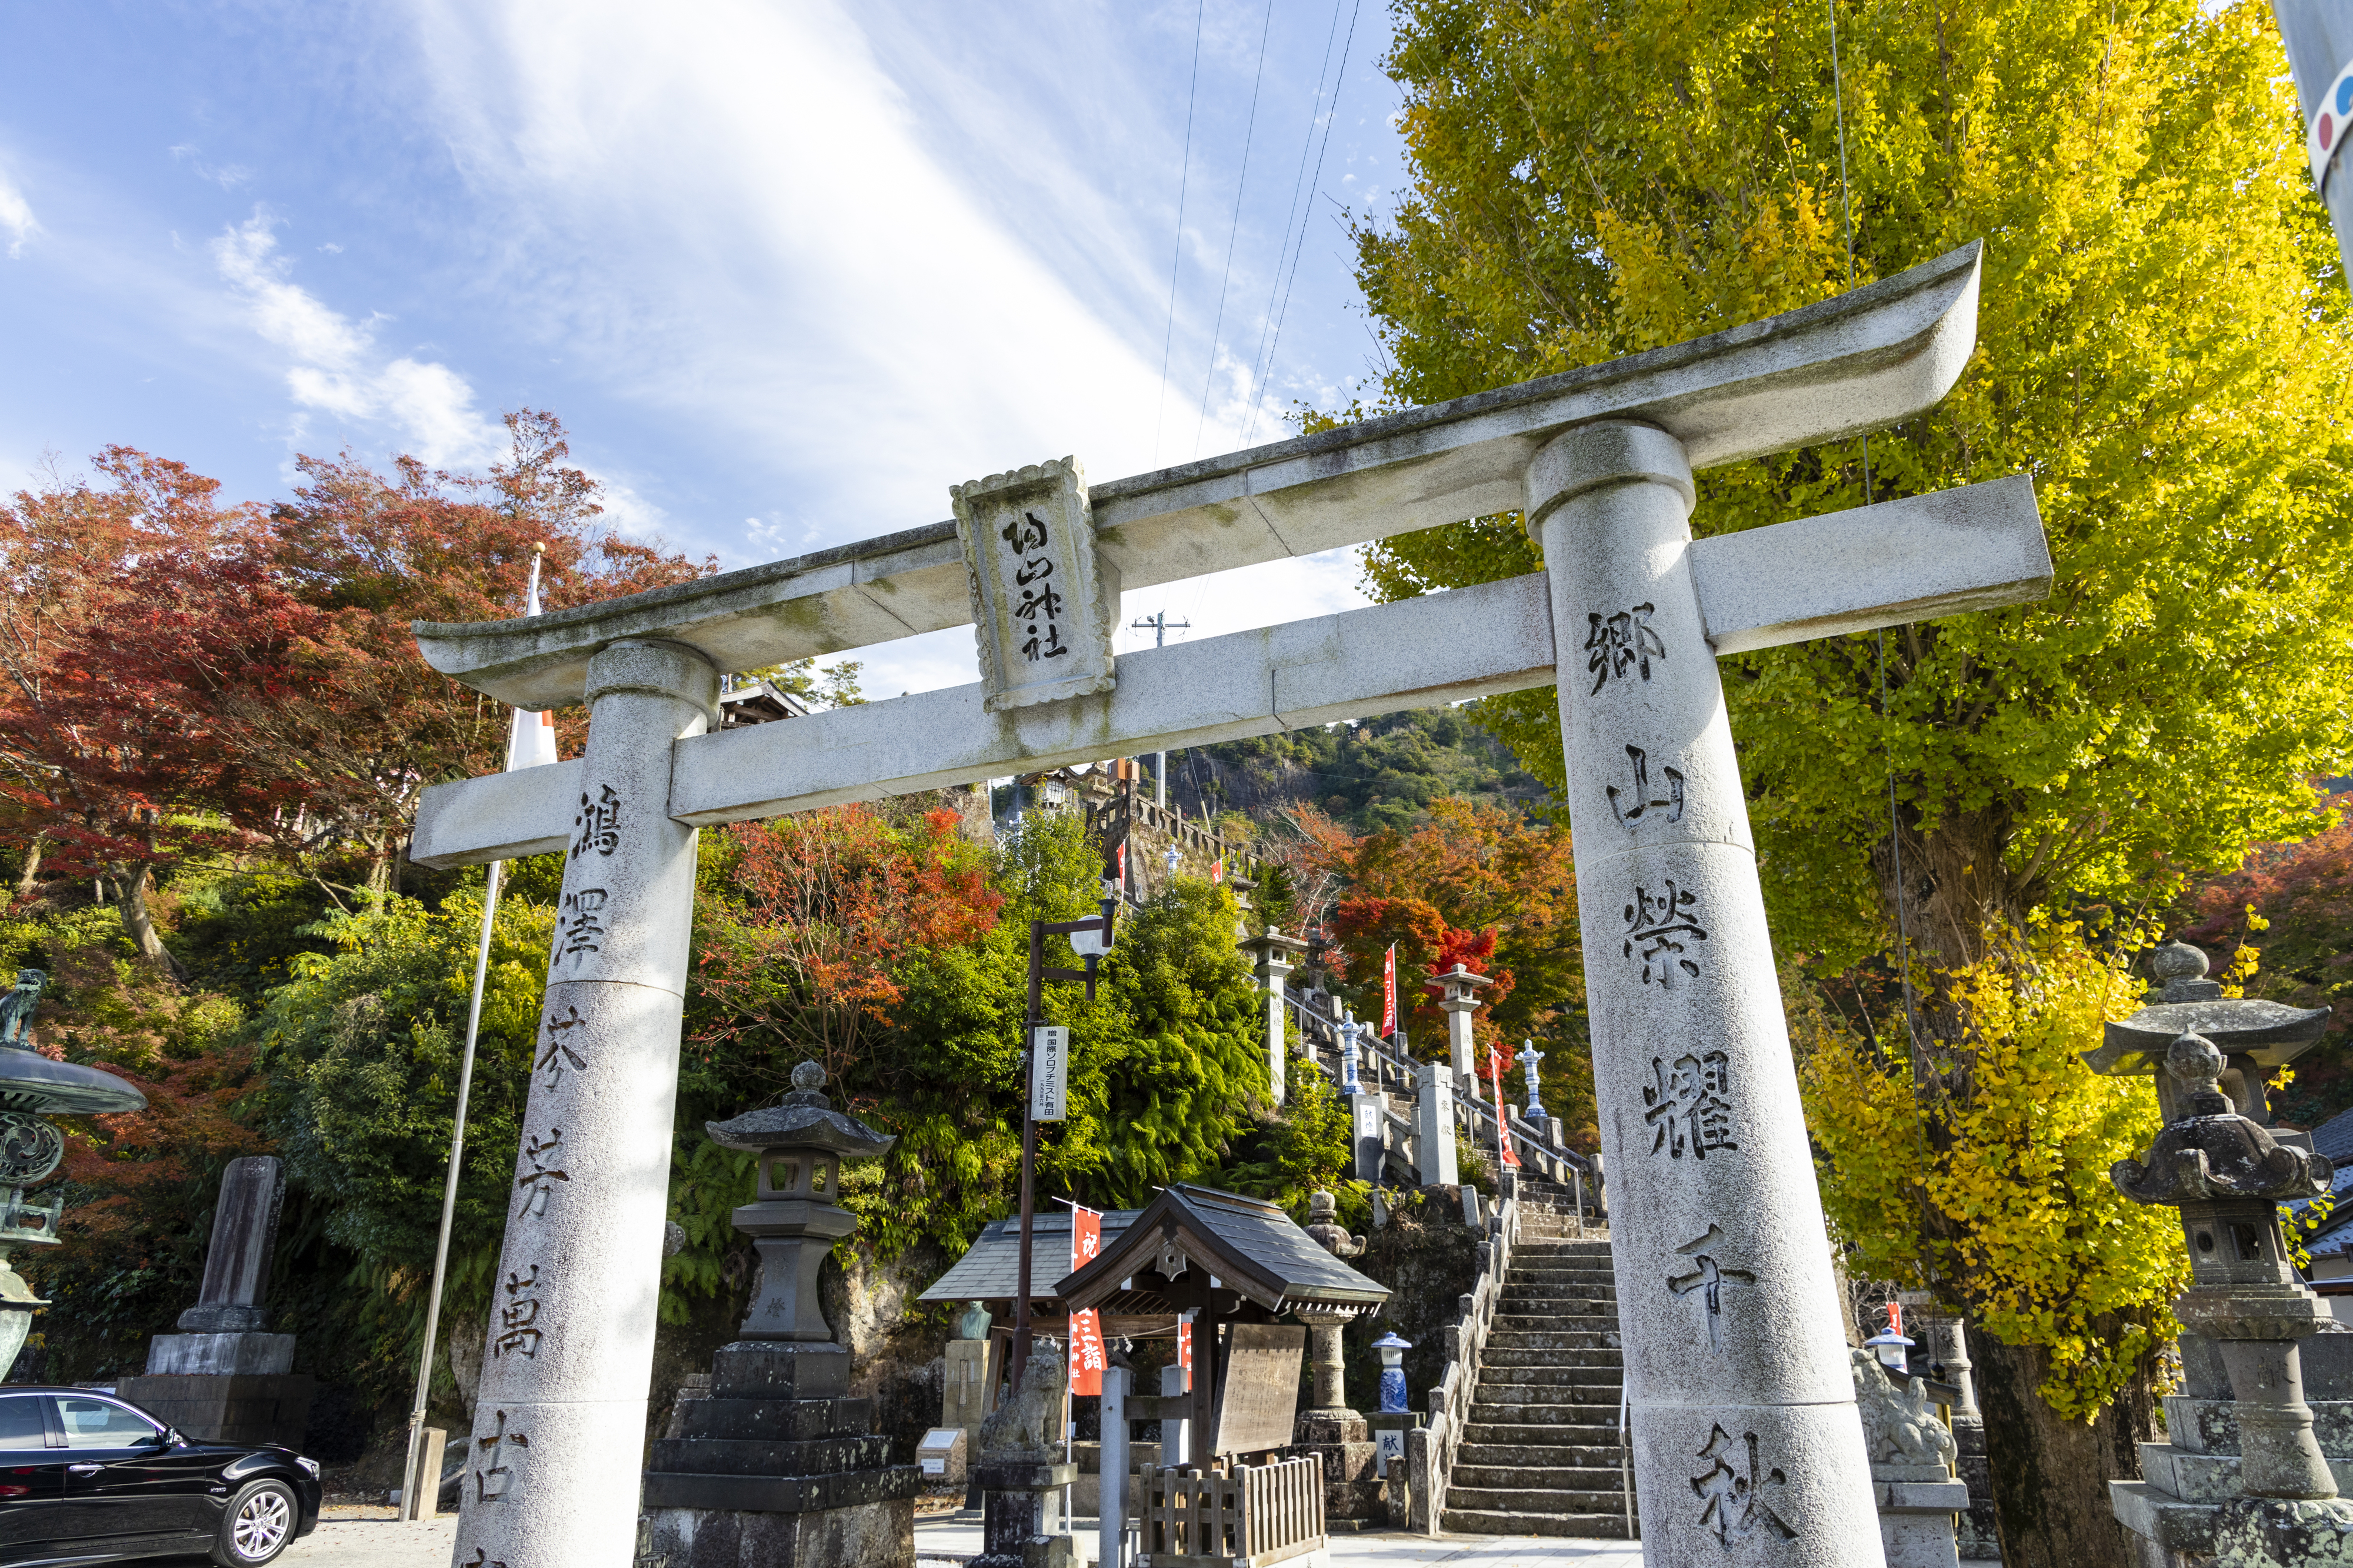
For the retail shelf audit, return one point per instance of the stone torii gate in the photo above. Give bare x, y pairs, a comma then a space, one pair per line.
1744, 1429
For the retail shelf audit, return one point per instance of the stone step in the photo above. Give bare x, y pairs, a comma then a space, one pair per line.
1538, 1389
1582, 1350
1567, 1405
1597, 1429
1561, 1269
1560, 1304
1479, 1521
1601, 1479
1529, 1321
1498, 1356
1594, 1356
1506, 1457
1554, 1339
1530, 1498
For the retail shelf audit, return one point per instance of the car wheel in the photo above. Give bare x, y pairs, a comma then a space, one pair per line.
258, 1525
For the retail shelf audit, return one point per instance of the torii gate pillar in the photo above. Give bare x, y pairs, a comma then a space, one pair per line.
1744, 1435
556, 1451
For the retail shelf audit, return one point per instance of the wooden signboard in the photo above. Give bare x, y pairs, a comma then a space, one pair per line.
1258, 1396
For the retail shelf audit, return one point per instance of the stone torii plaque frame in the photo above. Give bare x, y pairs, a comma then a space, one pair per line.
1745, 1440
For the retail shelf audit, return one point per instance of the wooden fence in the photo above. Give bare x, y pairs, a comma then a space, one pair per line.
1255, 1515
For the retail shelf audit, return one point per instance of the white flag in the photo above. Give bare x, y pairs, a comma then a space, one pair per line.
531, 739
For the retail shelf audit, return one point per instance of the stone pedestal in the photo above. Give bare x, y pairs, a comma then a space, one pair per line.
1352, 1481
1916, 1505
217, 1408
223, 1378
1013, 1531
778, 1470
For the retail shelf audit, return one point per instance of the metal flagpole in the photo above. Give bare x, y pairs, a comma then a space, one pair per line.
413, 1486
531, 741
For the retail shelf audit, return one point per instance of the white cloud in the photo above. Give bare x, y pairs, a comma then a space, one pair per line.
335, 367
733, 216
227, 177
17, 216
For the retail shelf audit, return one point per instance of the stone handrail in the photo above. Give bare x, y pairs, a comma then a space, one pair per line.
1430, 1450
1385, 1067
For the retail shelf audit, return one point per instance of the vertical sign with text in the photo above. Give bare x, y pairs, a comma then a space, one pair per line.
1049, 1073
1389, 994
1086, 1328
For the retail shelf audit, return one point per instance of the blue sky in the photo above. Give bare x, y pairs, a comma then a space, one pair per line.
787, 270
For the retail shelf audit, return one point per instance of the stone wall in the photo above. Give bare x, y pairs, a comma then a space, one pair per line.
898, 1349
1427, 1258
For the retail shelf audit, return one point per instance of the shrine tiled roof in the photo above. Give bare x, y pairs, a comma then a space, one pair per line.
990, 1269
1251, 1245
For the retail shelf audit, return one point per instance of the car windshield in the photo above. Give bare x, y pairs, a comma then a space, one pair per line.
101, 1424
20, 1423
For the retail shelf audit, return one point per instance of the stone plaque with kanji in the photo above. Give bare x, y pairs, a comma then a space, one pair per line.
1043, 600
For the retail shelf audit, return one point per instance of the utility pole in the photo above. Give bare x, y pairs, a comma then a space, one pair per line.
1160, 625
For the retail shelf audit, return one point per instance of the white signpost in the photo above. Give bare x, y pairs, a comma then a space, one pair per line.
1744, 1429
1049, 1073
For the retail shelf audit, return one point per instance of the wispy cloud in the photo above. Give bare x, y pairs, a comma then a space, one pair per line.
335, 367
17, 216
227, 177
735, 215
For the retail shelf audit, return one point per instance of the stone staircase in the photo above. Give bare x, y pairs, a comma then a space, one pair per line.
1541, 1454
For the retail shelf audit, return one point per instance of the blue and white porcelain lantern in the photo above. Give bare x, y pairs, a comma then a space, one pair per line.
1392, 1351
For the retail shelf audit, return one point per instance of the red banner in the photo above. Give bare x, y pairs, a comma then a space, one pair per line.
1185, 1351
1086, 1328
1389, 994
1503, 1111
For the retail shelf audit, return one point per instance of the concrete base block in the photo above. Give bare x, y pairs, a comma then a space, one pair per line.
2164, 1520
2282, 1532
238, 1409
863, 1535
221, 1355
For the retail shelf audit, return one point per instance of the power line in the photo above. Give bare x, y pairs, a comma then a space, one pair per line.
1331, 116
1298, 182
1242, 183
1176, 257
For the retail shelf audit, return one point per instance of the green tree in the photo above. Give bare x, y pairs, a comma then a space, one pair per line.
361, 1053
2162, 346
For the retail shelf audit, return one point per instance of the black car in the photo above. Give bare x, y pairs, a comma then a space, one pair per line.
87, 1477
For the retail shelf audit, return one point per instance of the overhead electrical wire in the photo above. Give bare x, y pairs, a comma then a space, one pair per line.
1242, 183
1270, 328
1176, 257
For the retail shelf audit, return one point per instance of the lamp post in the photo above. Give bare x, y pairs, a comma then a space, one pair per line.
1090, 939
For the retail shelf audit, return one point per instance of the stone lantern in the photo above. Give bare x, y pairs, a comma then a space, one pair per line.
794, 1219
1458, 999
777, 1466
33, 1087
2228, 1175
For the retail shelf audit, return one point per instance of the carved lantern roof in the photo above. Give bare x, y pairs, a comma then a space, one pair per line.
804, 1119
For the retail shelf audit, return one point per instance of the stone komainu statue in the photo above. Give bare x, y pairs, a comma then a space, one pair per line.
1018, 1426
1899, 1429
